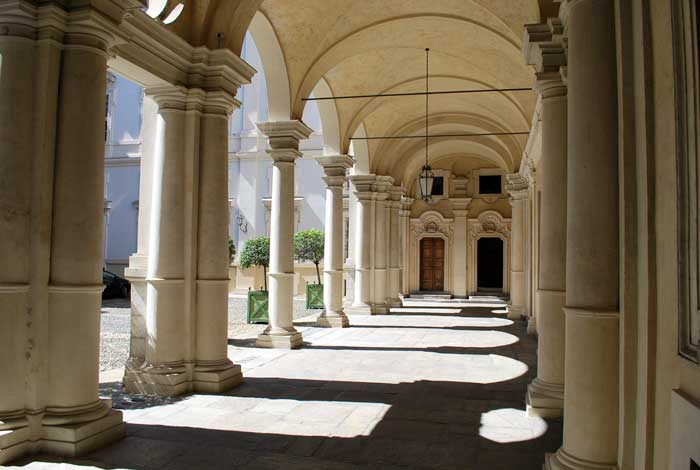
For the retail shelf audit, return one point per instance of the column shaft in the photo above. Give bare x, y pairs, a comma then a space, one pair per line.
363, 187
213, 372
75, 283
546, 393
518, 189
335, 168
16, 155
394, 278
284, 141
591, 404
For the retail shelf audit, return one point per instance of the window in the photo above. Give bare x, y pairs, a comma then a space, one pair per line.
490, 184
438, 186
687, 90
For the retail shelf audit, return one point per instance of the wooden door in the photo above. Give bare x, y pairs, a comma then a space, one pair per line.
432, 264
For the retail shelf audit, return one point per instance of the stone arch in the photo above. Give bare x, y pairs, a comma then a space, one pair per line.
272, 57
329, 119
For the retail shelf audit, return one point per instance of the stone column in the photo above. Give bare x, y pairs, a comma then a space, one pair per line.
381, 234
284, 149
213, 371
164, 371
591, 400
363, 189
394, 278
517, 188
75, 418
335, 168
460, 209
136, 273
404, 214
17, 88
545, 395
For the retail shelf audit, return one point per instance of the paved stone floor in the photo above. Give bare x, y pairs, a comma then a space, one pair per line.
423, 388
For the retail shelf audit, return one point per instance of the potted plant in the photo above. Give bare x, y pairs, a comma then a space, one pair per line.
308, 246
256, 252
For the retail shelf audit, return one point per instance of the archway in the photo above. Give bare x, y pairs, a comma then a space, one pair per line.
490, 264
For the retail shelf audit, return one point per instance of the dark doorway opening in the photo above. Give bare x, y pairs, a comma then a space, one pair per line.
490, 263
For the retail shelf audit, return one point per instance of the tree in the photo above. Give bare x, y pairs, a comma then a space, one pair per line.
308, 246
231, 251
256, 252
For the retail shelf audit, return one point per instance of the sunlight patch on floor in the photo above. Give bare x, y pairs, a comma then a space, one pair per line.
510, 425
266, 416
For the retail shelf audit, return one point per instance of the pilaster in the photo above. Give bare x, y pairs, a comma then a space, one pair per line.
517, 188
363, 189
460, 209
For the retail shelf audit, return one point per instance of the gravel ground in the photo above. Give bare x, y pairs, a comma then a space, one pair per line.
116, 327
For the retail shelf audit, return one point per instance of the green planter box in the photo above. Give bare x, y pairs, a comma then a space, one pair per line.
257, 306
314, 296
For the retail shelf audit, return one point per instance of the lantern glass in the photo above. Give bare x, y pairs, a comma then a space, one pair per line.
425, 181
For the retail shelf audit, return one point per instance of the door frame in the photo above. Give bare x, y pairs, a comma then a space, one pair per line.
447, 283
476, 260
420, 261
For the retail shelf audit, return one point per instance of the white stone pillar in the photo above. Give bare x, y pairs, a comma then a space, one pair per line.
460, 209
517, 188
284, 142
364, 190
164, 371
213, 371
335, 168
380, 255
136, 273
545, 395
591, 396
394, 277
404, 214
17, 88
75, 418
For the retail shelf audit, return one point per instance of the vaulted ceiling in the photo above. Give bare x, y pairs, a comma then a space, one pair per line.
376, 46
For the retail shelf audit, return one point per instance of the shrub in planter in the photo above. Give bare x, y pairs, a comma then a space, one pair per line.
308, 246
256, 252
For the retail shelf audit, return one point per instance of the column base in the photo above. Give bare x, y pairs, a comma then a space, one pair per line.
15, 442
332, 321
545, 400
361, 309
276, 341
532, 326
515, 313
563, 461
74, 431
394, 303
379, 309
143, 382
216, 381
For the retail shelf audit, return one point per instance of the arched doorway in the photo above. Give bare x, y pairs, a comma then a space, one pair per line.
490, 264
432, 264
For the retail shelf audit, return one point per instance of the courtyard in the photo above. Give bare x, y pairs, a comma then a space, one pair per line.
431, 385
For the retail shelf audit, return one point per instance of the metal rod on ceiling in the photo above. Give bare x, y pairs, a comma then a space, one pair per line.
416, 93
427, 97
437, 136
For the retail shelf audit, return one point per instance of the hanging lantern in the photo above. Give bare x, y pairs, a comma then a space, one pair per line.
425, 181
426, 178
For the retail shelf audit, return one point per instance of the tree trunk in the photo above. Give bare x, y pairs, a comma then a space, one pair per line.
265, 276
318, 274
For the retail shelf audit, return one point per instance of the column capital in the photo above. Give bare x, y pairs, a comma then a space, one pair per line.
460, 206
285, 134
364, 186
517, 186
545, 48
335, 165
383, 183
395, 194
